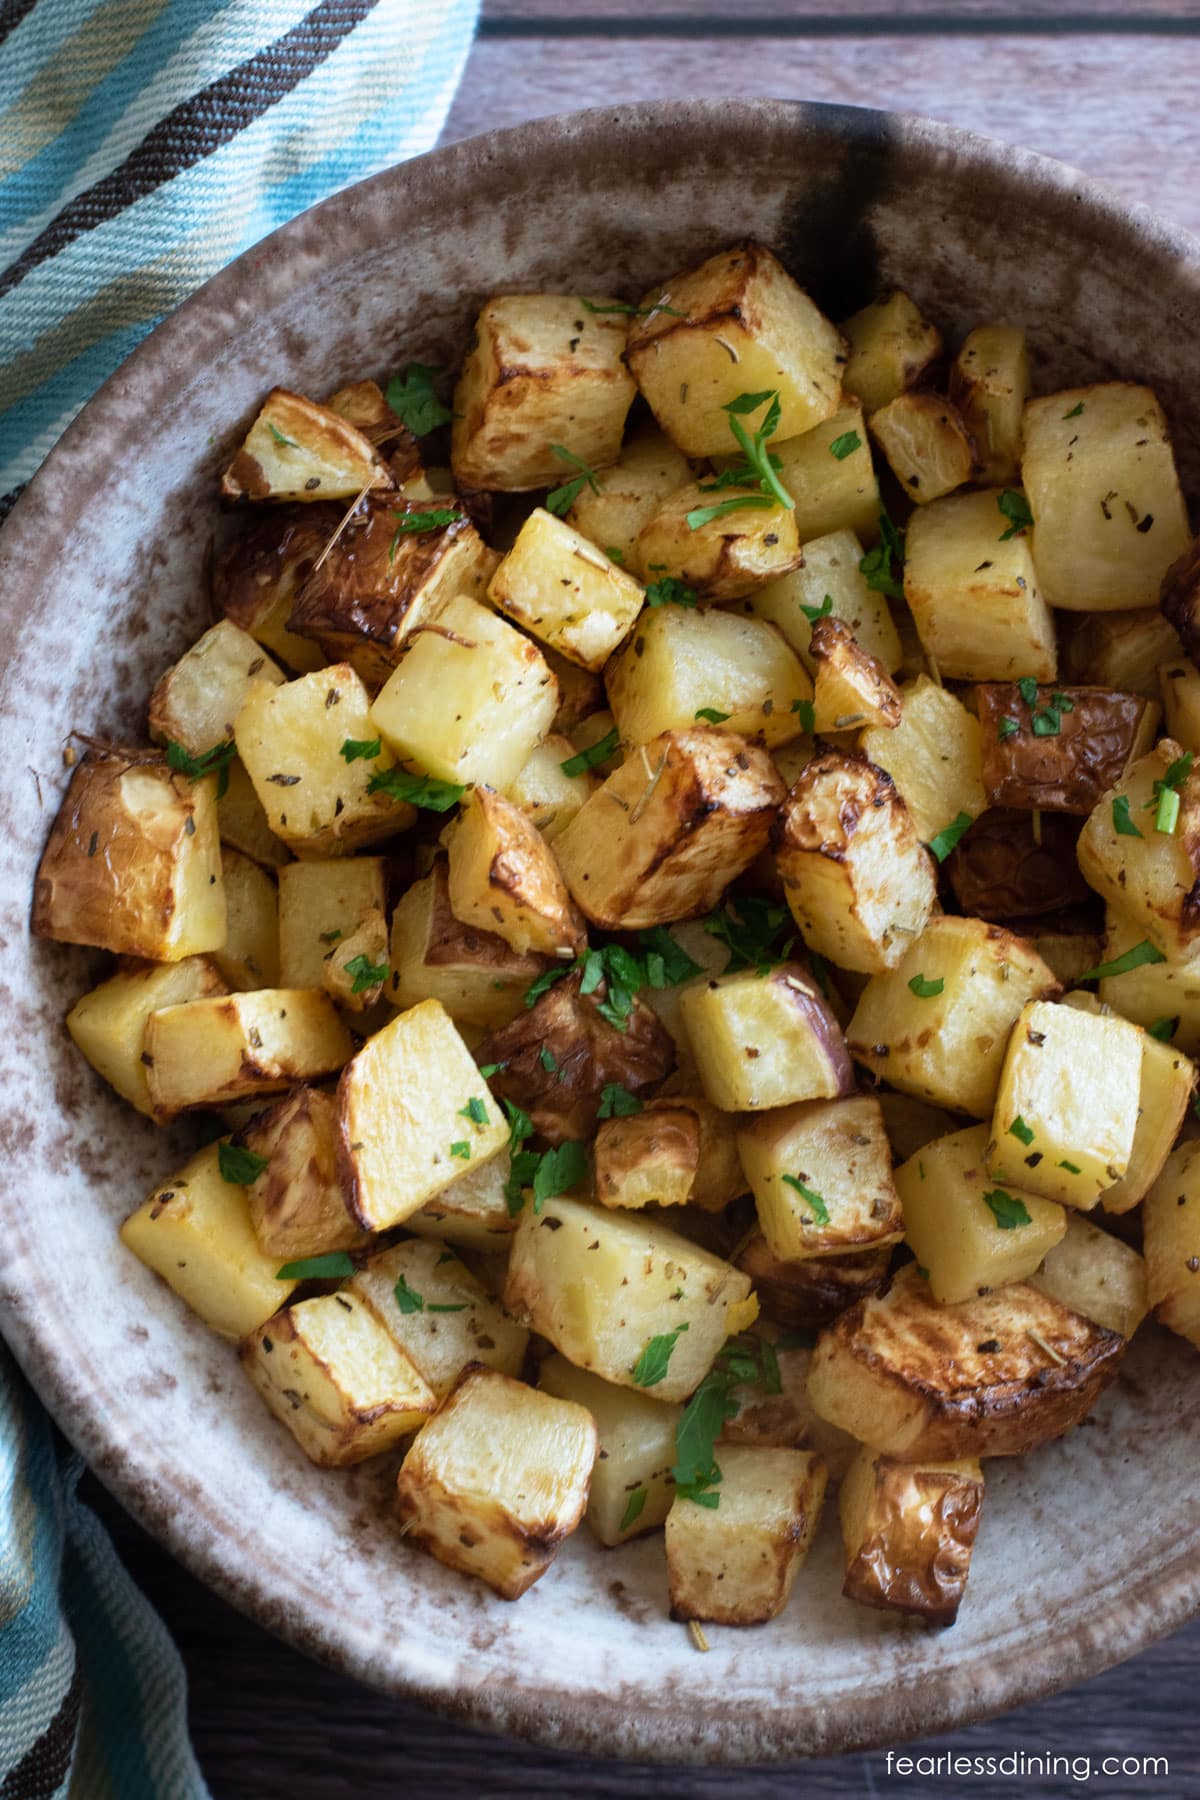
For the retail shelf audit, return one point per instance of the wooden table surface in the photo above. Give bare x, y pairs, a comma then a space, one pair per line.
1113, 92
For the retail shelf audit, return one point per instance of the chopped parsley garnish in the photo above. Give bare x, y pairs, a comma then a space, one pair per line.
557, 1170
409, 1301
560, 500
635, 1506
474, 1110
523, 1162
926, 990
211, 762
240, 1166
411, 397
744, 1362
712, 716
667, 963
547, 1059
487, 1070
1027, 687
1163, 1029
941, 845
1166, 794
877, 565
361, 749
820, 1210
615, 555
704, 515
806, 713
652, 1365
335, 1266
616, 1102
1006, 1209
461, 1148
1075, 411
1136, 958
670, 591
1008, 727
409, 523
749, 926
366, 973
758, 469
543, 982
1015, 508
631, 311
813, 613
845, 446
622, 975
289, 443
418, 790
1019, 1129
1123, 825
595, 754
1071, 1168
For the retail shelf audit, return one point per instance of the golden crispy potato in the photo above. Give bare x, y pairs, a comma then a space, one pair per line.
565, 592
249, 957
1166, 994
994, 1376
1097, 1276
133, 861
648, 1158
989, 384
321, 903
478, 978
647, 470
821, 1175
356, 968
472, 1213
497, 1480
908, 1530
747, 327
933, 756
926, 443
682, 666
297, 1205
197, 701
504, 879
438, 1313
109, 1024
829, 583
719, 1177
207, 1052
835, 489
632, 1487
257, 574
892, 347
736, 1564
851, 688
580, 693
763, 1041
242, 821
297, 450
721, 557
543, 790
1151, 876
804, 1295
542, 370
1069, 747
974, 593
668, 832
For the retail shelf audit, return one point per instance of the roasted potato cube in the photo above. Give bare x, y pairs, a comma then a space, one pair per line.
711, 956
195, 1232
133, 861
557, 1058
632, 1488
892, 346
1168, 1082
433, 1307
242, 821
748, 327
333, 1374
1150, 993
989, 384
355, 970
821, 1174
926, 443
1069, 747
829, 583
292, 740
908, 1530
859, 883
297, 1206
470, 700
497, 1480
1010, 865
993, 1376
805, 1294
647, 1158
937, 1025
724, 557
208, 1052
719, 1176
1171, 1223
475, 975
504, 878
1109, 518
1143, 856
736, 1564
1122, 650
681, 666
543, 790
256, 577
624, 1296
969, 1234
198, 699
647, 470
1179, 598
109, 1024
408, 1106
472, 1212
973, 592
911, 1123
321, 904
565, 592
392, 570
933, 756
763, 1041
1069, 947
1097, 1276
1067, 1106
668, 832
542, 371
297, 450
1180, 681
835, 489
851, 688
364, 405
249, 957
781, 1418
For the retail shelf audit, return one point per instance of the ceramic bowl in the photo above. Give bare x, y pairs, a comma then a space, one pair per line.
1089, 1548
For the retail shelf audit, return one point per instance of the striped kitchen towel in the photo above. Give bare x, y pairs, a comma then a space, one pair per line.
144, 143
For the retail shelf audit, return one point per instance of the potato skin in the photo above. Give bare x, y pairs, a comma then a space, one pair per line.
917, 1552
808, 1295
588, 1052
1000, 872
1070, 770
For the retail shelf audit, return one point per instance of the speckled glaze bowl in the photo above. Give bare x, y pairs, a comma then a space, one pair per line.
1089, 1548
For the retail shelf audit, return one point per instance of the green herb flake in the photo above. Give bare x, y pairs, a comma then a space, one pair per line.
474, 1110
1135, 958
813, 613
806, 713
1070, 1167
1019, 1129
635, 1506
1123, 825
1015, 508
407, 1299
926, 990
361, 749
616, 1102
560, 500
941, 845
215, 761
547, 1059
845, 446
670, 591
411, 397
1047, 722
883, 567
596, 753
461, 1148
445, 1307
754, 448
487, 1070
1166, 816
633, 312
667, 963
522, 1163
652, 1365
1075, 411
1008, 727
1027, 687
418, 790
743, 1362
557, 1171
749, 927
705, 515
1006, 1209
615, 555
239, 1166
712, 716
335, 1266
1163, 1029
820, 1210
289, 443
408, 524
366, 973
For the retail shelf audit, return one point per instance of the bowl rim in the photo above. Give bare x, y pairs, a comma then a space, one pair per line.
531, 1707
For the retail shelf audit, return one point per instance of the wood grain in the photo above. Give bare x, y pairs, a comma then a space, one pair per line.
1120, 110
